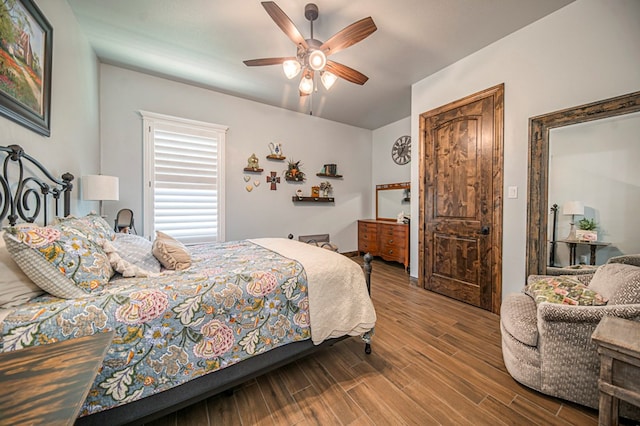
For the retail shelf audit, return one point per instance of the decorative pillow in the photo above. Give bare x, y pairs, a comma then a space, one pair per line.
136, 250
619, 282
125, 268
171, 252
92, 225
15, 287
564, 290
60, 261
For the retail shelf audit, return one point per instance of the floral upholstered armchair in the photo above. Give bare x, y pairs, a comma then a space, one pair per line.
547, 328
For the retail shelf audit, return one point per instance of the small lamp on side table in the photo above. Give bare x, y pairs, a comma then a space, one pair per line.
572, 208
100, 188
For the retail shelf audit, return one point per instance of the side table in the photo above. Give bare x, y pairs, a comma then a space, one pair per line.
593, 245
618, 343
47, 384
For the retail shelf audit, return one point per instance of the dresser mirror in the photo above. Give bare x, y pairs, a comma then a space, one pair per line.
559, 173
393, 199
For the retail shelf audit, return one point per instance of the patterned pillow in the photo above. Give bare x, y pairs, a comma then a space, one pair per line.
136, 250
564, 290
92, 225
619, 282
60, 260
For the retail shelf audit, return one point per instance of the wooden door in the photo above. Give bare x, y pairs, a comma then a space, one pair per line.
461, 169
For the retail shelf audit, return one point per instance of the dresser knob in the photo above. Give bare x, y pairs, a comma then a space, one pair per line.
390, 241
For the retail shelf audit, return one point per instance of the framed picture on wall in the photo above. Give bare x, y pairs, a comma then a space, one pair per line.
26, 43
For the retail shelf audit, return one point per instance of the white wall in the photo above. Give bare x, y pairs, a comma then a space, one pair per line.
73, 144
252, 126
584, 52
384, 169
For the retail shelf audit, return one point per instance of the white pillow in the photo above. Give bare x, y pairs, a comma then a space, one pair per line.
136, 250
15, 287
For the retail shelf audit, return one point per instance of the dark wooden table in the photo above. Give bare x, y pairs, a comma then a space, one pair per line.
47, 384
593, 245
618, 343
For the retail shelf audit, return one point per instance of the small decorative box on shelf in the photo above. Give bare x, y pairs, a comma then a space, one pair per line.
252, 170
312, 199
276, 157
328, 175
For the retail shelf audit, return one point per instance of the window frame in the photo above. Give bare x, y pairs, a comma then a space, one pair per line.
149, 121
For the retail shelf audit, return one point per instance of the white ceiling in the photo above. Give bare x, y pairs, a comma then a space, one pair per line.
203, 42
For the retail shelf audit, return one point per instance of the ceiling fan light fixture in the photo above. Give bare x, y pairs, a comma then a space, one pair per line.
317, 60
306, 85
327, 79
291, 68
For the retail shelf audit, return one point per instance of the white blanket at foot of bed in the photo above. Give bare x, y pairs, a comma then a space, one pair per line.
339, 303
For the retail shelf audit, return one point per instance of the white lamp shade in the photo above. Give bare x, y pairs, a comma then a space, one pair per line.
306, 85
100, 187
291, 68
573, 207
327, 79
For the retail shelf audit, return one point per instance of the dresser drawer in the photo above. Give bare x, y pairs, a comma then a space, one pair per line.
367, 246
367, 228
394, 253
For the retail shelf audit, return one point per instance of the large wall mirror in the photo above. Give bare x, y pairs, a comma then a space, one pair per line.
587, 154
393, 199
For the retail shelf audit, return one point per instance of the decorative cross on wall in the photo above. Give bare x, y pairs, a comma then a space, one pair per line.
273, 179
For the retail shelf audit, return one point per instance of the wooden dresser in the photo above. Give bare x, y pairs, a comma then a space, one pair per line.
387, 239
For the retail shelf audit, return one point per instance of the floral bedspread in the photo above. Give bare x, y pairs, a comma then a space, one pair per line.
237, 300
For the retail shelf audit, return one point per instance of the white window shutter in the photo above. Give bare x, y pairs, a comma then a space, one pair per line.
186, 178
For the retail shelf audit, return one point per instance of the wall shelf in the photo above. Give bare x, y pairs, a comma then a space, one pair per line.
276, 157
249, 169
297, 199
328, 175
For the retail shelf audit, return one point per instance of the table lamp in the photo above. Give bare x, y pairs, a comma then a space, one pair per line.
100, 188
573, 208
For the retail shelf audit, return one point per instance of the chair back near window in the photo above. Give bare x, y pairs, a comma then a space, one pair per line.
124, 221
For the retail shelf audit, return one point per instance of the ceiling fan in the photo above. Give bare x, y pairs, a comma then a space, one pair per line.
311, 55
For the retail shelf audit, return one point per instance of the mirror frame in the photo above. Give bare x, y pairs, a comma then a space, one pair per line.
385, 187
538, 181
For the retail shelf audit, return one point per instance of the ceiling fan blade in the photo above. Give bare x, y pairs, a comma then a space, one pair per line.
349, 36
346, 72
282, 20
266, 61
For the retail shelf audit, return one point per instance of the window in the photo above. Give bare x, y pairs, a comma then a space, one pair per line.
184, 178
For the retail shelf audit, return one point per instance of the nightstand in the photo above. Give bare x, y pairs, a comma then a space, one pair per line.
618, 343
47, 384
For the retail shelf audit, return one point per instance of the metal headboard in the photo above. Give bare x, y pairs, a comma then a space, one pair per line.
25, 193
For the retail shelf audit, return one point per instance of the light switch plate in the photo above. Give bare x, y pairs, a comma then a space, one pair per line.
513, 192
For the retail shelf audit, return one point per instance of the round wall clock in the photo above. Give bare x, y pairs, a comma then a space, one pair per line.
401, 151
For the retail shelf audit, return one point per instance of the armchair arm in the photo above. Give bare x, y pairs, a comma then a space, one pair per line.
569, 359
585, 314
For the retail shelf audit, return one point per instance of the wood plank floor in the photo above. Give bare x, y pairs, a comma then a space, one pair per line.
434, 361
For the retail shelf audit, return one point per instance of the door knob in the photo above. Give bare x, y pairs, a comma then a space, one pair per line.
485, 230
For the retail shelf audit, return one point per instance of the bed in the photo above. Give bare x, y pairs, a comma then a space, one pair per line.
203, 320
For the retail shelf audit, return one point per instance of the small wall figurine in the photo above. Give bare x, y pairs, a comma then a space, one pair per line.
276, 149
293, 172
252, 163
